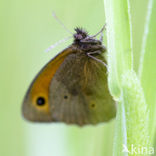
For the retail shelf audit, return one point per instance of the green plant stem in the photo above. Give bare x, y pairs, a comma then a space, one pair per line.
147, 72
132, 113
119, 42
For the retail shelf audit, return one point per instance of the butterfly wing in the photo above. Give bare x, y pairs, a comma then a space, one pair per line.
36, 102
79, 92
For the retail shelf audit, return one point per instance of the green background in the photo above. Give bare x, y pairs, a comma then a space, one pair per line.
27, 28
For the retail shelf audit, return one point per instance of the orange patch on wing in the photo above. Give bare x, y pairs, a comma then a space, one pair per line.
40, 86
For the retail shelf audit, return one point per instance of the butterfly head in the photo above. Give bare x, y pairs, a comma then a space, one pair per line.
80, 34
84, 42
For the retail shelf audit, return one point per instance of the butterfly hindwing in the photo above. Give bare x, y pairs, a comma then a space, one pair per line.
79, 92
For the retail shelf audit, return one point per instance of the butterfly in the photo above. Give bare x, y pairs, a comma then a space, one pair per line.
72, 87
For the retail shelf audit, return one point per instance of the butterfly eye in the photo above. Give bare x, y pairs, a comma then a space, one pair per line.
40, 101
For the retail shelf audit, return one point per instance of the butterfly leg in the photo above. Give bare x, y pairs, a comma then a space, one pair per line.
89, 54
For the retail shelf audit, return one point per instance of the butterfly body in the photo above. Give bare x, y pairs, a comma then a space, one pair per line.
72, 87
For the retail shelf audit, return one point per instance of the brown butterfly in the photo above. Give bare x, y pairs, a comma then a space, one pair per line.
72, 88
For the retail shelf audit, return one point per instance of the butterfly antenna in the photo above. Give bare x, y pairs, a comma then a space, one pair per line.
57, 43
103, 28
59, 21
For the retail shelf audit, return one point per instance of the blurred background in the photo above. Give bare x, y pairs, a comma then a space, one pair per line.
27, 28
